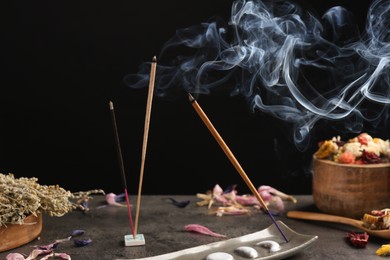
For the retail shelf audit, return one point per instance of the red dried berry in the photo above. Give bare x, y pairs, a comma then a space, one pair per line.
358, 239
370, 157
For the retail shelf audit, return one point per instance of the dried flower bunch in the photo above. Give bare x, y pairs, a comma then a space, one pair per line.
362, 149
20, 197
228, 201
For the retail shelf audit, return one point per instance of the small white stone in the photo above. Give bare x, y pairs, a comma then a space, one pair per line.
246, 251
271, 245
219, 256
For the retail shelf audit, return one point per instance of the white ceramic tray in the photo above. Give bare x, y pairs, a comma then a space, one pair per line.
297, 243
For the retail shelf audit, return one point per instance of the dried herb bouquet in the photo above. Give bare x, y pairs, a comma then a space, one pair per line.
21, 197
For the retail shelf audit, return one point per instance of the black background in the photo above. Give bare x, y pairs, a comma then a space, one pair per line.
64, 61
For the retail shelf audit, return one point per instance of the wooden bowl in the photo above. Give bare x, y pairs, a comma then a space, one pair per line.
350, 190
16, 235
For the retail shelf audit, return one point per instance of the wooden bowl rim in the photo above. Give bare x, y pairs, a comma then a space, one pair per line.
374, 165
16, 235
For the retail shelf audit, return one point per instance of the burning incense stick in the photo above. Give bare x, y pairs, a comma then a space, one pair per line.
121, 167
146, 131
232, 159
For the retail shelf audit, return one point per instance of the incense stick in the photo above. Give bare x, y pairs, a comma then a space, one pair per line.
232, 159
121, 166
146, 131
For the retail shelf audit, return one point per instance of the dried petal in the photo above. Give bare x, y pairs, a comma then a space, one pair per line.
36, 252
111, 200
384, 250
275, 205
120, 197
364, 138
234, 204
346, 157
276, 192
202, 230
57, 255
218, 195
179, 204
83, 204
63, 239
247, 200
370, 157
82, 242
326, 149
358, 239
50, 246
206, 199
230, 189
231, 210
14, 256
77, 232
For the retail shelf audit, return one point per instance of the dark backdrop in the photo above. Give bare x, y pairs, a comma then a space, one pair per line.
64, 61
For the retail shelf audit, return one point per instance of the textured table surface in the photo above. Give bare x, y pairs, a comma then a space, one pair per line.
162, 225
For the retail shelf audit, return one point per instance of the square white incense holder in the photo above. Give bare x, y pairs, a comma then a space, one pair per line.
139, 240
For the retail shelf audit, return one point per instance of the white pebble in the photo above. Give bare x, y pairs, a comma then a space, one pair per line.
246, 251
272, 245
219, 256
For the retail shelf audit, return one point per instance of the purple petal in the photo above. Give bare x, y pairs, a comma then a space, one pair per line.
82, 242
77, 232
84, 204
230, 189
120, 197
180, 204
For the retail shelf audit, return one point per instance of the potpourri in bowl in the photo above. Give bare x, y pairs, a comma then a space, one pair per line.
360, 150
352, 177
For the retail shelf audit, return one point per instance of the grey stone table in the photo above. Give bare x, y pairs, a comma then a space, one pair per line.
162, 225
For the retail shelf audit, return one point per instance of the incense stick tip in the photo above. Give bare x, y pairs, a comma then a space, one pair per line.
154, 59
191, 98
111, 105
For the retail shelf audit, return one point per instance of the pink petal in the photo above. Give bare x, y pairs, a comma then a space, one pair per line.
217, 190
274, 192
202, 230
247, 200
265, 193
110, 199
14, 256
276, 205
60, 255
36, 252
50, 246
218, 194
220, 199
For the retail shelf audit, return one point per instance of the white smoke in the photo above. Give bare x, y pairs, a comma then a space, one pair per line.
287, 62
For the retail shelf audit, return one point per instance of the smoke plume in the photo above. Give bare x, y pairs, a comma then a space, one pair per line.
287, 63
